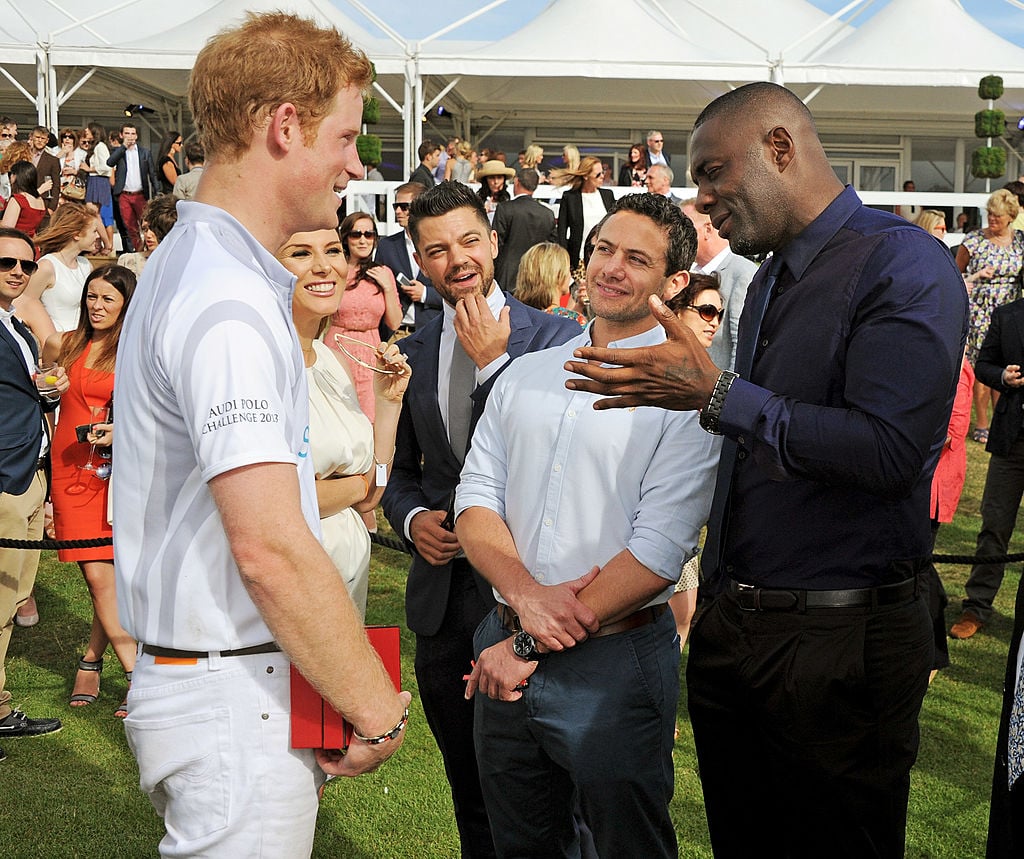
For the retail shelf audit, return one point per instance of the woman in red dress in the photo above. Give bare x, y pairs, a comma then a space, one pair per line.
25, 210
81, 471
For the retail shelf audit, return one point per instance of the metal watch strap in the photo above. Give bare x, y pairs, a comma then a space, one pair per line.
711, 413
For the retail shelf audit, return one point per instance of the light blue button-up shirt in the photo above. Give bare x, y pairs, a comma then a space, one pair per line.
577, 486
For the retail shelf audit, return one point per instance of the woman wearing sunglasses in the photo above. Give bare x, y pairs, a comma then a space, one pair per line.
699, 305
351, 457
81, 473
371, 296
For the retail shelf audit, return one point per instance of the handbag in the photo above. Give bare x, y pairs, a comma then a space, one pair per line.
75, 189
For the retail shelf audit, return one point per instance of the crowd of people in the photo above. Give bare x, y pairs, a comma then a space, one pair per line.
550, 412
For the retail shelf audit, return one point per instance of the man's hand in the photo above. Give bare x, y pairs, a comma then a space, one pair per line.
414, 290
482, 336
553, 615
1012, 377
676, 374
437, 545
361, 757
499, 673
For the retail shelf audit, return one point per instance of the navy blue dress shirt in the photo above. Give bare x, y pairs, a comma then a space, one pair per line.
840, 425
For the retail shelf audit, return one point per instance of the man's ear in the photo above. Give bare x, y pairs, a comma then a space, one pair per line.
674, 285
284, 130
782, 147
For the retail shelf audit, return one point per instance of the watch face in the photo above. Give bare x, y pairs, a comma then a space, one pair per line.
524, 645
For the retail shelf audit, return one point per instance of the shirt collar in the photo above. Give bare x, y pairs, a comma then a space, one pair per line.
495, 301
716, 262
801, 251
650, 337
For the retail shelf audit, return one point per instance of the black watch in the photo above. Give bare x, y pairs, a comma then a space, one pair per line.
525, 647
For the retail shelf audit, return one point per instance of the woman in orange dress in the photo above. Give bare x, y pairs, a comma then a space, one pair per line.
81, 471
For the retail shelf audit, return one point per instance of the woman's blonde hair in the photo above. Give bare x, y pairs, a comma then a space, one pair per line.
533, 155
244, 74
571, 155
929, 219
1002, 202
574, 178
542, 271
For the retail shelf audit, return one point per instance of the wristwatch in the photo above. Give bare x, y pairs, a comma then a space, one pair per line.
710, 414
525, 647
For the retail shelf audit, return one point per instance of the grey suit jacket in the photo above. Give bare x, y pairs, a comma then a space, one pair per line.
735, 275
520, 224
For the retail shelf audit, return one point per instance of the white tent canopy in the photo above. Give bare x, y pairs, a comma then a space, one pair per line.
585, 67
916, 43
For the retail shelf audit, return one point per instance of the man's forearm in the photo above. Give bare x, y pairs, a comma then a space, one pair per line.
301, 596
491, 550
623, 586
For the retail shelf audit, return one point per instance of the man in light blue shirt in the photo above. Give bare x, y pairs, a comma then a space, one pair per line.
581, 520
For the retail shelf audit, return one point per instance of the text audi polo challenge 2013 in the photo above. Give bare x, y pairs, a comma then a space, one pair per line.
240, 410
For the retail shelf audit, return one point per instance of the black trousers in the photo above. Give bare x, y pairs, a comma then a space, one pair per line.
1004, 487
441, 662
806, 727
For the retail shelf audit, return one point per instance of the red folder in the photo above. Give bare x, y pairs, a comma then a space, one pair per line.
315, 723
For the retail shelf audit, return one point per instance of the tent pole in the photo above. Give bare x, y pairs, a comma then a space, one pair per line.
41, 82
417, 119
407, 111
52, 121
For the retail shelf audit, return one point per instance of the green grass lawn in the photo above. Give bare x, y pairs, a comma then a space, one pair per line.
75, 793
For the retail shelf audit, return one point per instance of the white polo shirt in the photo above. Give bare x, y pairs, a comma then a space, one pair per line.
209, 379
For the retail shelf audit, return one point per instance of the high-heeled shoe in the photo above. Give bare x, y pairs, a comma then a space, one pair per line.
81, 699
122, 711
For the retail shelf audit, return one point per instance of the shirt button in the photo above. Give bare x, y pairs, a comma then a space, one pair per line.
265, 716
270, 669
558, 468
741, 455
729, 568
779, 290
547, 523
571, 413
741, 440
764, 342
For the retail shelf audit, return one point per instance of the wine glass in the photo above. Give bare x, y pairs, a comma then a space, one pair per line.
97, 415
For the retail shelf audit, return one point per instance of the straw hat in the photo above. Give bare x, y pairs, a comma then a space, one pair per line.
494, 168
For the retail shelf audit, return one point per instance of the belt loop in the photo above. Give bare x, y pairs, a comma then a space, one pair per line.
213, 660
801, 601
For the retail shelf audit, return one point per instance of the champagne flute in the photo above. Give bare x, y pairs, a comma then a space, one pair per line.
98, 415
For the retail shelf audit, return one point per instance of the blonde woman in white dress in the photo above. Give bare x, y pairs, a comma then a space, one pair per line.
348, 452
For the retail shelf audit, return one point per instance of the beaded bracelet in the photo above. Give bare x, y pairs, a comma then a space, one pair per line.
389, 735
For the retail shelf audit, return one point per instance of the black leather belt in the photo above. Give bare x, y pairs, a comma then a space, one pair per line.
751, 598
171, 653
510, 620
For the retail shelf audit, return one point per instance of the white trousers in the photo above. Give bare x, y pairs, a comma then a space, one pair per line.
212, 741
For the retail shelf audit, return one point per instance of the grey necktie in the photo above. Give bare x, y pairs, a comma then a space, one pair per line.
461, 383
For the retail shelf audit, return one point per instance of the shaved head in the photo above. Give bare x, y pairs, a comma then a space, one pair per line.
761, 172
766, 101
